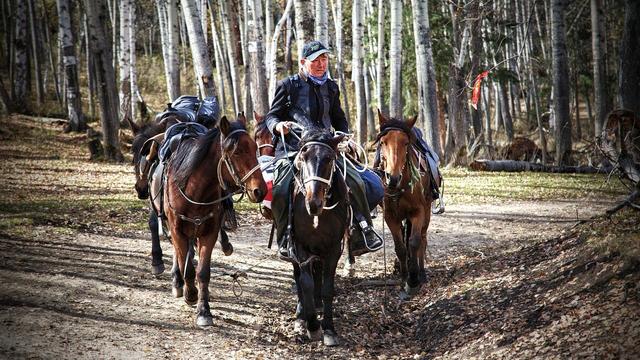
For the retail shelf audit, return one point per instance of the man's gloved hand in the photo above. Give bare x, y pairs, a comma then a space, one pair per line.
283, 127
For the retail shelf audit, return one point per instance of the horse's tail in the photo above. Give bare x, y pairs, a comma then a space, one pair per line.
188, 263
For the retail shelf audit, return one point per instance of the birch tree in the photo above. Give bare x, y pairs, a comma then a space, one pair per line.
322, 22
36, 52
105, 77
66, 40
395, 60
380, 59
425, 71
230, 53
560, 83
304, 23
358, 75
169, 49
124, 60
273, 51
599, 74
199, 51
336, 8
256, 52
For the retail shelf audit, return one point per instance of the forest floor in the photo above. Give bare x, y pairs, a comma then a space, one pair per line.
520, 266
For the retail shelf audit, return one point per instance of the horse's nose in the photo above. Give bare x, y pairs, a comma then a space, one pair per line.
143, 192
259, 194
393, 181
315, 207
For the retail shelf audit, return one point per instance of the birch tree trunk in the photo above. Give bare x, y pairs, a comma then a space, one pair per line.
395, 59
337, 19
248, 102
629, 78
50, 47
358, 71
124, 61
230, 47
256, 52
173, 32
36, 52
305, 23
20, 89
599, 79
199, 51
428, 101
273, 51
322, 22
287, 44
105, 77
167, 50
380, 61
66, 39
137, 103
560, 83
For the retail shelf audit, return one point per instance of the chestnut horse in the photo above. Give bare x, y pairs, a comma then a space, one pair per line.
320, 220
407, 200
197, 175
263, 136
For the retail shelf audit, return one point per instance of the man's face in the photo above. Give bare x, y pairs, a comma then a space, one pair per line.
318, 66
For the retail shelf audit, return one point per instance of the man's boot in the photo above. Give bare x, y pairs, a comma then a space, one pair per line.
285, 244
230, 221
372, 239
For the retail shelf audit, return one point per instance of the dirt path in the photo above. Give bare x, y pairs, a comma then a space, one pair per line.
87, 292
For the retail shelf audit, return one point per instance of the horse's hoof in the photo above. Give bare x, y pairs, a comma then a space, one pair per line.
315, 335
299, 326
204, 321
227, 249
349, 271
320, 310
177, 292
404, 296
330, 338
412, 290
157, 269
191, 302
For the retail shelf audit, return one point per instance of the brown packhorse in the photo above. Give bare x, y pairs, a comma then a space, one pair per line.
197, 174
407, 200
263, 136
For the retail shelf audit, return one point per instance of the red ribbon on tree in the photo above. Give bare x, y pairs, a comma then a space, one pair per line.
476, 89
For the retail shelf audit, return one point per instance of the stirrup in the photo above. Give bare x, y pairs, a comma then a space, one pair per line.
285, 251
437, 207
376, 242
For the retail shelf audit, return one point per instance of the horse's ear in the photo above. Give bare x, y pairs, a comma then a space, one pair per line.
337, 139
135, 128
242, 119
411, 121
259, 118
381, 118
224, 125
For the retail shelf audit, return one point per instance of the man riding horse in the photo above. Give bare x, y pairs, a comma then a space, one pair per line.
305, 100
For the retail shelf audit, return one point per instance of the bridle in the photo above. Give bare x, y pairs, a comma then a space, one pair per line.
239, 182
407, 158
302, 179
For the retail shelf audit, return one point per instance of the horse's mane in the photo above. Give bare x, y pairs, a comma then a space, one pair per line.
315, 134
393, 124
190, 154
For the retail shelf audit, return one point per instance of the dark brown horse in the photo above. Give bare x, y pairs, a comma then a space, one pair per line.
197, 175
320, 220
146, 141
407, 201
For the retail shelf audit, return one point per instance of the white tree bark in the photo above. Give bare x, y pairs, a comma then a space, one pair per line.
322, 22
199, 51
380, 61
305, 23
136, 98
395, 60
173, 31
256, 52
66, 38
226, 29
124, 60
426, 74
599, 77
358, 70
248, 102
337, 18
273, 51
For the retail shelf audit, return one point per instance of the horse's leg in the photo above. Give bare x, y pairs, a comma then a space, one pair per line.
308, 304
317, 286
205, 245
349, 261
395, 227
415, 245
189, 271
423, 251
299, 324
330, 337
177, 281
157, 265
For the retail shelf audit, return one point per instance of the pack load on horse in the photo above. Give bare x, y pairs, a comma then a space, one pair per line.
308, 100
408, 197
145, 148
203, 171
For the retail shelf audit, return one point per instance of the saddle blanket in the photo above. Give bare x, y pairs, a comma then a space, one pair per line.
267, 165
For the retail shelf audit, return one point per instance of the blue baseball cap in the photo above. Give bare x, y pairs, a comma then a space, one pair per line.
313, 49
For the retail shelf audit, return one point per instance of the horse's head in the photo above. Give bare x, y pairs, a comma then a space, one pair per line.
239, 154
315, 162
146, 141
262, 135
394, 140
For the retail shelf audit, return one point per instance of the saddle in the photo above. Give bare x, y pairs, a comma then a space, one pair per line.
174, 136
189, 108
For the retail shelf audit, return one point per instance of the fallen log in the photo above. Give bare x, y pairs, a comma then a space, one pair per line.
519, 166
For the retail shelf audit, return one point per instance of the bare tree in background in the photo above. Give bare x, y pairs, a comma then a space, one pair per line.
259, 86
124, 60
273, 51
395, 60
560, 83
105, 77
20, 89
66, 39
336, 8
599, 68
169, 41
358, 75
322, 22
305, 23
629, 77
